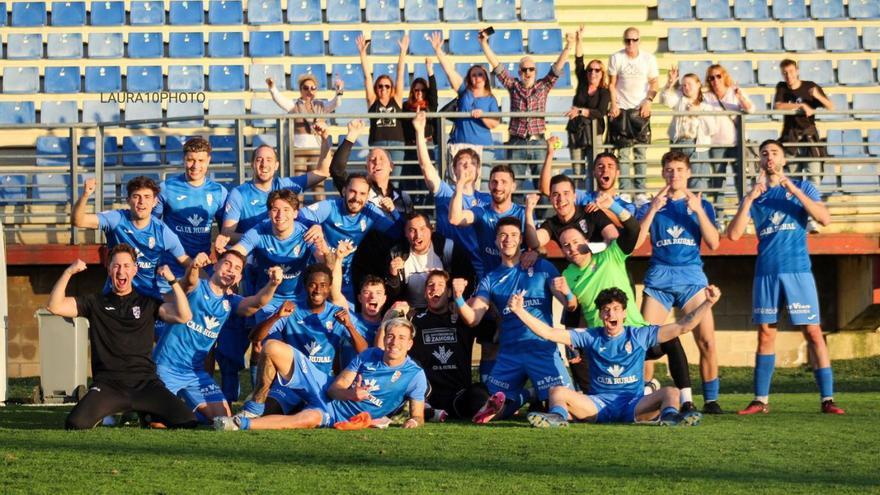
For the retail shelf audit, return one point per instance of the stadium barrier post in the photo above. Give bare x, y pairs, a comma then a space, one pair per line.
239, 139
99, 176
74, 159
287, 164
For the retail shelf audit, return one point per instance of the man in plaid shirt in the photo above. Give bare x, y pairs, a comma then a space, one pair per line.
527, 94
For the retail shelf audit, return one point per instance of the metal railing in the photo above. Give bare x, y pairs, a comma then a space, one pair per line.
860, 172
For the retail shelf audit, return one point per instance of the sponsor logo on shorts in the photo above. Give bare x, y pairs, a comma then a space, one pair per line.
548, 381
765, 311
800, 309
498, 383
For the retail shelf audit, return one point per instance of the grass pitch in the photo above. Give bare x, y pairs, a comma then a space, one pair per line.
794, 449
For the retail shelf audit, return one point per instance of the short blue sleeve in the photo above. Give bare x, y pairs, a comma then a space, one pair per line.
108, 220
580, 337
277, 330
296, 184
582, 198
355, 364
315, 212
418, 387
232, 210
709, 209
159, 209
643, 210
484, 289
810, 190
646, 337
172, 243
250, 239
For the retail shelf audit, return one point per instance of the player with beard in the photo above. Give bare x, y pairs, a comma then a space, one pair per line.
181, 352
314, 327
373, 385
121, 340
350, 218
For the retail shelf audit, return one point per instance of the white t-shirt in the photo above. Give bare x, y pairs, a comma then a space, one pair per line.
633, 76
415, 272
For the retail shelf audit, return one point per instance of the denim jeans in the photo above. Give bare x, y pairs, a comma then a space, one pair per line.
525, 172
627, 155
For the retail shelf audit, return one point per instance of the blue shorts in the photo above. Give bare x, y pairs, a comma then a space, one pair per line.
196, 388
309, 384
543, 367
676, 297
285, 397
800, 296
615, 408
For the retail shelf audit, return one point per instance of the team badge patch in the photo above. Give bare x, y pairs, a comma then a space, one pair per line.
395, 376
136, 312
226, 306
628, 347
583, 225
210, 198
296, 251
363, 225
151, 242
329, 325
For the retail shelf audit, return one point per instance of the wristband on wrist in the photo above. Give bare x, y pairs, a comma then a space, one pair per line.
173, 282
616, 208
569, 296
459, 301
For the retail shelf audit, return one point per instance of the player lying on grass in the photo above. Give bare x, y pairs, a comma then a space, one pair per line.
373, 385
616, 354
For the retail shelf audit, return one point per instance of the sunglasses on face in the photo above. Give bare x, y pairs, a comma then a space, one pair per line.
631, 40
383, 86
527, 69
715, 77
594, 69
477, 74
308, 88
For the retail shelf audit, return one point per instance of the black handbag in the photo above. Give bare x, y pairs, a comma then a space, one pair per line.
580, 133
629, 128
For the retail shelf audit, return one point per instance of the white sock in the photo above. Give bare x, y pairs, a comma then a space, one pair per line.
687, 395
764, 398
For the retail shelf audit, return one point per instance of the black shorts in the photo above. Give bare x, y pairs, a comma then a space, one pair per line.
107, 397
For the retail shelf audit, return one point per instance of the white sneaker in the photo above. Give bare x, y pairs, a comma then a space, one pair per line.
812, 226
246, 414
225, 423
641, 199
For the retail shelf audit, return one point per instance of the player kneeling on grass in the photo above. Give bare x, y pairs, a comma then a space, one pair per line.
373, 385
617, 357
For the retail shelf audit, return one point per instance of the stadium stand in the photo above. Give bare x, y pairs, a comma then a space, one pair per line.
685, 40
188, 12
507, 42
343, 11
186, 78
187, 45
421, 11
144, 78
145, 45
384, 42
724, 40
106, 13
264, 12
225, 107
62, 80
751, 10
306, 44
64, 45
28, 14
226, 45
226, 78
225, 12
68, 13
382, 11
266, 44
17, 112
105, 45
460, 11
763, 39
150, 13
24, 46
841, 39
713, 10
97, 111
342, 43
545, 41
799, 39
54, 112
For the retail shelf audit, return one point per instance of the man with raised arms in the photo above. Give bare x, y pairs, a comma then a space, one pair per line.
616, 353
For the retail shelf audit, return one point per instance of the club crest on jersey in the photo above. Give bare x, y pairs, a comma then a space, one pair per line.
363, 225
531, 272
788, 195
328, 325
628, 347
210, 198
394, 377
473, 202
583, 225
226, 306
151, 242
136, 312
296, 251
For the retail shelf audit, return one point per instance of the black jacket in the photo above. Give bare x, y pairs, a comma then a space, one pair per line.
456, 261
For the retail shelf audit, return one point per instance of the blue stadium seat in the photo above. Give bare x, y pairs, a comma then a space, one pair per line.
21, 80
107, 13
64, 45
23, 46
226, 78
261, 106
225, 12
343, 11
555, 104
385, 42
874, 142
421, 11
768, 72
185, 109
685, 40
186, 45
13, 188
259, 72
103, 80
266, 44
306, 43
68, 13
841, 39
740, 70
351, 74
186, 12
143, 110
145, 45
51, 187
342, 43
383, 11
537, 10
222, 45
724, 40
464, 42
61, 80
855, 72
267, 139
143, 78
348, 105
507, 42
864, 9
224, 149
224, 107
317, 70
758, 136
141, 150
53, 151
3, 11
460, 11
836, 139
96, 111
674, 10
499, 11
751, 10
763, 39
86, 150
713, 10
790, 10
174, 149
759, 102
28, 14
698, 67
420, 42
148, 13
827, 9
264, 12
186, 78
818, 71
304, 12
840, 104
564, 80
871, 38
866, 101
799, 39
57, 112
545, 41
105, 45
389, 70
17, 112
421, 71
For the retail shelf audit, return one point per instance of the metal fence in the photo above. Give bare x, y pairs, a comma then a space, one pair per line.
38, 188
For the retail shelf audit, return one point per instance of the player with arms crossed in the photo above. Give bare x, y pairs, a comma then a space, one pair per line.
781, 208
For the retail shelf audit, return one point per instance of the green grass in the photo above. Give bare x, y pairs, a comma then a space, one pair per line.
792, 450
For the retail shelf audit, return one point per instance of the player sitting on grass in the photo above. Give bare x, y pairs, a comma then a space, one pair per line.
373, 385
617, 357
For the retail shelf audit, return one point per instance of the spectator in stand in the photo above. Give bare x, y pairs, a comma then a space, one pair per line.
590, 103
422, 98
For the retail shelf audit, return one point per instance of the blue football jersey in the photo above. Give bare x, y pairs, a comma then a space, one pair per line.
154, 244
266, 250
463, 236
781, 224
190, 211
583, 198
616, 364
675, 233
497, 287
184, 346
485, 221
317, 335
246, 203
233, 341
388, 385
